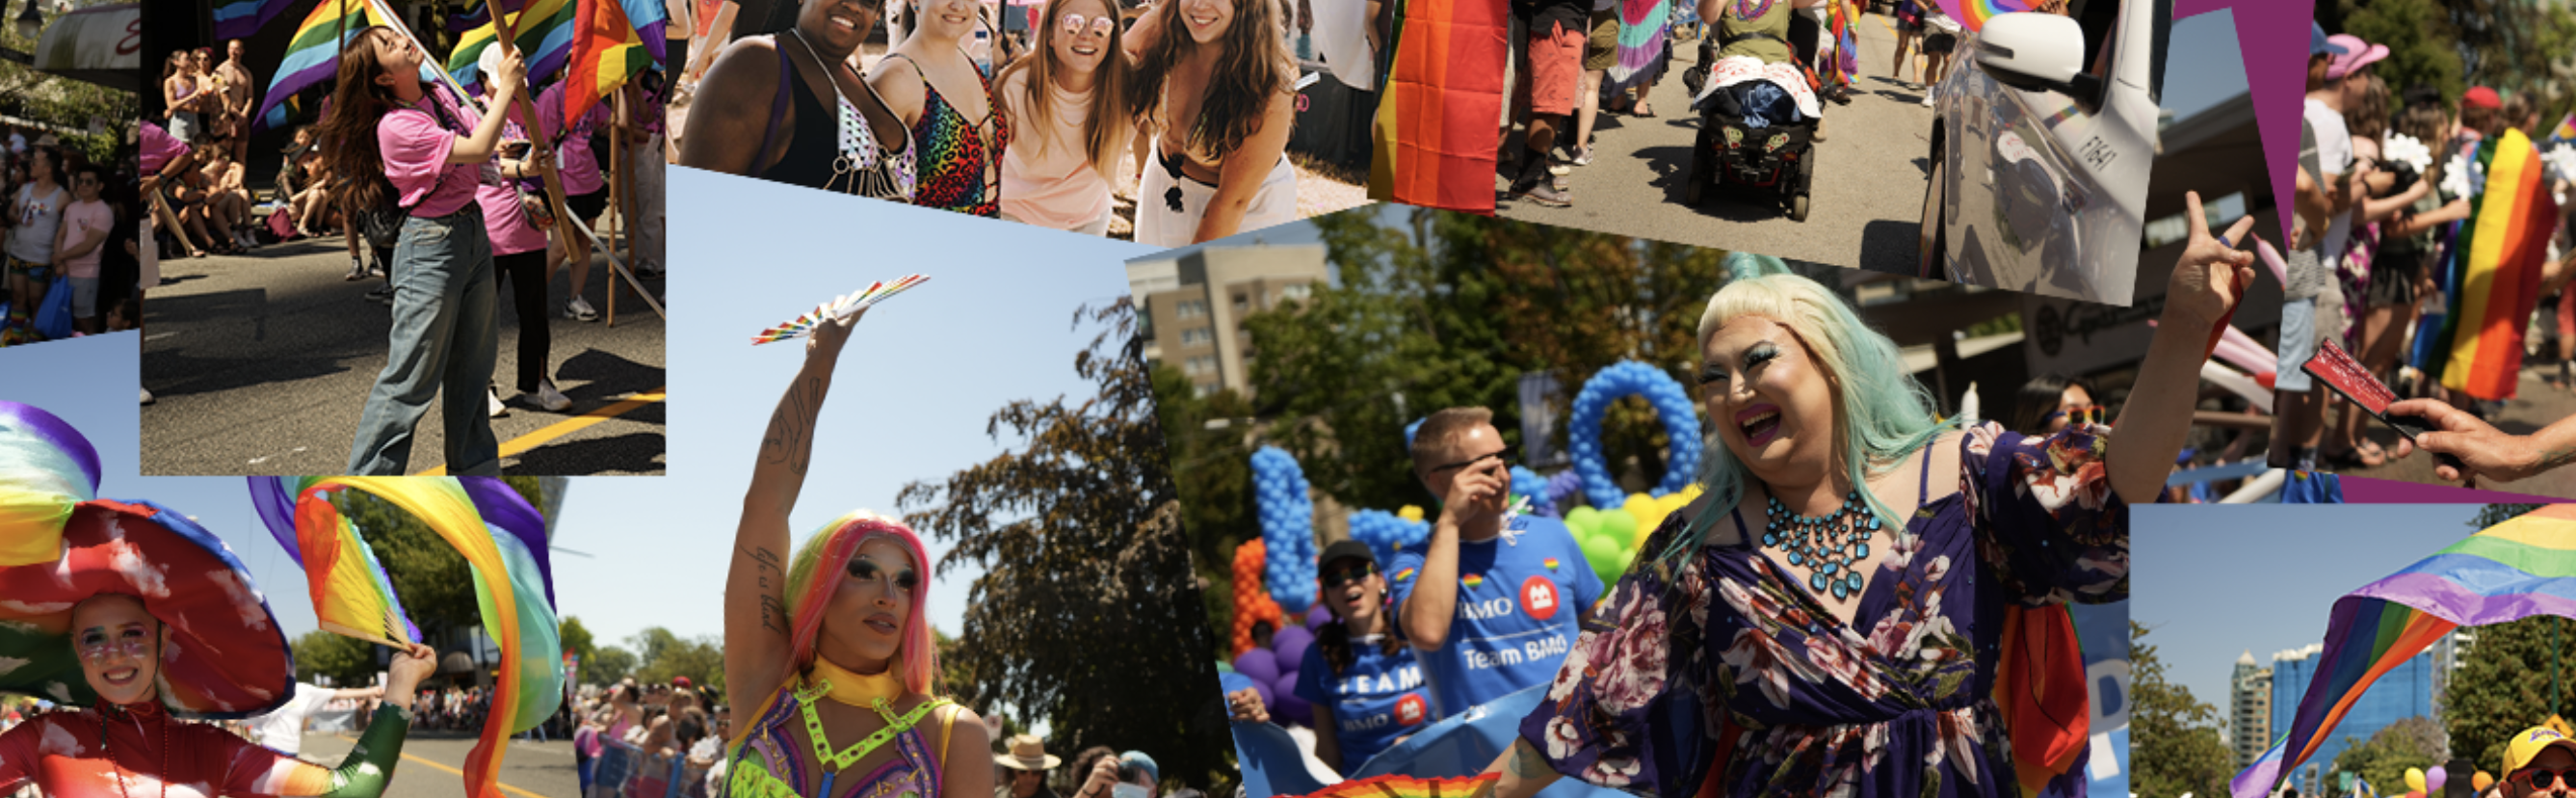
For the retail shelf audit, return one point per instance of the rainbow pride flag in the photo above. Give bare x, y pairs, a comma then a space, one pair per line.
1439, 116
543, 31
1403, 786
2040, 687
513, 585
1973, 13
314, 53
238, 19
2500, 246
2517, 569
2566, 128
606, 52
1846, 65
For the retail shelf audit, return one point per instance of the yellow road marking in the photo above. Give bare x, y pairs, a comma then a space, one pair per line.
446, 768
566, 427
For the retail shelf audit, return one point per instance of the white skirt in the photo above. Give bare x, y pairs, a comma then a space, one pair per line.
1169, 206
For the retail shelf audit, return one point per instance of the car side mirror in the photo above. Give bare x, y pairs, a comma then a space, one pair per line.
2035, 52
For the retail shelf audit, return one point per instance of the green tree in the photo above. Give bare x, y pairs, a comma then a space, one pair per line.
2421, 44
2408, 743
576, 640
348, 661
1087, 615
2507, 681
608, 666
661, 655
2173, 736
1212, 468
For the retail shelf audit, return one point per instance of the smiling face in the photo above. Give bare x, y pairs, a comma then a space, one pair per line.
947, 20
1081, 38
117, 642
2553, 762
838, 25
864, 623
1772, 403
396, 59
1207, 20
1354, 590
2073, 399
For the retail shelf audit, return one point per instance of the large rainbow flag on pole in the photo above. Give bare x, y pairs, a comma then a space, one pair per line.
543, 30
238, 19
314, 53
1439, 117
2500, 249
2517, 569
1973, 13
607, 50
502, 540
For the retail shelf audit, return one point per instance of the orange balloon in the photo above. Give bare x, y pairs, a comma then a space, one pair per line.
1252, 603
2482, 781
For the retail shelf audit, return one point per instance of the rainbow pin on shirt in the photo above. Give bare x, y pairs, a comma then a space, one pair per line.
839, 308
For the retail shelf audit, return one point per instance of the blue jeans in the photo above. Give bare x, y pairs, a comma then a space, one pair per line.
443, 338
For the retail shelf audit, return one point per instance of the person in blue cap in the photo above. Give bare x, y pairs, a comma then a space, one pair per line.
1363, 681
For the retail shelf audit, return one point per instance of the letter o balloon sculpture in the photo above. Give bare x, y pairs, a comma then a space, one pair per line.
1672, 405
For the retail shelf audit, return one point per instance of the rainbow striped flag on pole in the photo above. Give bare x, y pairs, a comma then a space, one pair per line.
1974, 13
607, 50
238, 19
1439, 117
2500, 249
544, 32
314, 54
2517, 569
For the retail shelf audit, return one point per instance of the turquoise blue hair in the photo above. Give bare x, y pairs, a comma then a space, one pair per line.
1883, 415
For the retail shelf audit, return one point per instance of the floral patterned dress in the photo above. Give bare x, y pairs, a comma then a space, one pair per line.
1897, 703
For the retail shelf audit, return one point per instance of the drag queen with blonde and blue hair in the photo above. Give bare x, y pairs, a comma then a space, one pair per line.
1831, 617
830, 648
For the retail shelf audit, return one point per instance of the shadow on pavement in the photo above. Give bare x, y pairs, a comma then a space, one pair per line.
634, 452
1891, 247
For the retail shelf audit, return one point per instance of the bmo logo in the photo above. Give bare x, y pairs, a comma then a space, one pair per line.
1538, 598
1410, 711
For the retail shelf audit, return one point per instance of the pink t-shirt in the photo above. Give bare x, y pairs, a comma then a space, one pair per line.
415, 148
506, 222
1056, 188
79, 220
159, 148
580, 168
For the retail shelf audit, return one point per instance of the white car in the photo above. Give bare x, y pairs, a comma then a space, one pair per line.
2043, 137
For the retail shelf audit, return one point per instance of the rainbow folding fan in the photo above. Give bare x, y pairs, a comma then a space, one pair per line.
840, 307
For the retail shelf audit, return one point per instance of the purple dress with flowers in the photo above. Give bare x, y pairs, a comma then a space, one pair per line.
1899, 704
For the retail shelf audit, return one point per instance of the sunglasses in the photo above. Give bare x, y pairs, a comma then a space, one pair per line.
904, 580
100, 647
1354, 572
2088, 414
1100, 26
1506, 454
2536, 779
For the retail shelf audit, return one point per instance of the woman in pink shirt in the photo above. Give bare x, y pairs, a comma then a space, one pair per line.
77, 242
1068, 105
519, 245
433, 151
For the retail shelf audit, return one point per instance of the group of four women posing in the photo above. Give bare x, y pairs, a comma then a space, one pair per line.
1209, 84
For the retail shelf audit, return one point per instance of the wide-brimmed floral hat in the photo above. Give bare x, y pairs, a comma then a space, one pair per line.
222, 653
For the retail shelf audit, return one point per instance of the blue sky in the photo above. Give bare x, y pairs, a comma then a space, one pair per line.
2202, 63
910, 400
2216, 581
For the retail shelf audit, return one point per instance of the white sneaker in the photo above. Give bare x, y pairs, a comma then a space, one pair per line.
578, 309
499, 410
147, 394
1927, 100
547, 397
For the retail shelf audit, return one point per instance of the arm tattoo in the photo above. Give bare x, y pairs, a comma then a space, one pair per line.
1525, 760
790, 439
773, 608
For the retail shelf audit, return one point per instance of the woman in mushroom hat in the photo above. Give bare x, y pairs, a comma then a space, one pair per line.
131, 617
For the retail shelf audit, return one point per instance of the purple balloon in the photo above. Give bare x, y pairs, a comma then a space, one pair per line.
1267, 697
1291, 644
1317, 616
1292, 709
1260, 664
2434, 778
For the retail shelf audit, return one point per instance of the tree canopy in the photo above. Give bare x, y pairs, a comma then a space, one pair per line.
2173, 736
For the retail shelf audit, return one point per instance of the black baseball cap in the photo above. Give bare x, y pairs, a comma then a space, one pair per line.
1344, 549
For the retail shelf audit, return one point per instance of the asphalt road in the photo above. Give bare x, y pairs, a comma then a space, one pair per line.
261, 365
433, 765
2535, 405
1866, 204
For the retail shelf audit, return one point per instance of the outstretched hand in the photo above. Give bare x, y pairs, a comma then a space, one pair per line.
830, 333
2482, 449
2212, 275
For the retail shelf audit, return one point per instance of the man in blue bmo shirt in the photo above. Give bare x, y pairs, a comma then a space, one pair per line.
1493, 600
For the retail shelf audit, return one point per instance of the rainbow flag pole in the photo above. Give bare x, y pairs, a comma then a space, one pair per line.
2518, 569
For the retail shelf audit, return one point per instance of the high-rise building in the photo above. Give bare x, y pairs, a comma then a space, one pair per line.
2409, 690
2249, 710
1194, 306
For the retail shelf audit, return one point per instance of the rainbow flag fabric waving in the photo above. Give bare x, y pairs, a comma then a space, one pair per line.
2566, 128
46, 470
1973, 13
606, 52
2500, 246
2517, 569
238, 19
1437, 117
314, 53
544, 32
512, 587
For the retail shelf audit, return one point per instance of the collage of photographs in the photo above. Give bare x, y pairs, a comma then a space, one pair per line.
1364, 398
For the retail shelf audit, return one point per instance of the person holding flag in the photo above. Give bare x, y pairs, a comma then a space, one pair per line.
431, 150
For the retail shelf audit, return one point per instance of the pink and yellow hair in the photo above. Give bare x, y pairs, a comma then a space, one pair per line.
828, 552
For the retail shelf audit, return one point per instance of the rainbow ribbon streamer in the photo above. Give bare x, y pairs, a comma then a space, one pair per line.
840, 307
2517, 569
1402, 786
1974, 13
502, 540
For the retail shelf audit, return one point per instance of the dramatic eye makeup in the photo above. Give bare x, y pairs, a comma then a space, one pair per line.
864, 568
1756, 356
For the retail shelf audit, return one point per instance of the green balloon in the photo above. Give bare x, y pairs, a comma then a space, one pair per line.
1618, 526
1584, 521
1605, 557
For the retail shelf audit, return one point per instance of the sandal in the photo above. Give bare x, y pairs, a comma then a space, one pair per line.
1641, 110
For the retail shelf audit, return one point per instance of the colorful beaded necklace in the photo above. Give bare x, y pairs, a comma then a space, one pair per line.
1829, 544
878, 691
1745, 9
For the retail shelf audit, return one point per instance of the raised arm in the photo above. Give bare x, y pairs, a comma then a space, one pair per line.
254, 771
730, 118
486, 139
1247, 168
756, 625
2210, 279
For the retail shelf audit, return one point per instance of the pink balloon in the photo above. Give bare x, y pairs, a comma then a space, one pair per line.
2272, 258
2434, 777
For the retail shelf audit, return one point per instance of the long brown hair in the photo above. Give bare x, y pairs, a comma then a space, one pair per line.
347, 134
1254, 66
1104, 131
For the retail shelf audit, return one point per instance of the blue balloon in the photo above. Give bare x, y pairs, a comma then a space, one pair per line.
1528, 483
1387, 533
1287, 517
1672, 405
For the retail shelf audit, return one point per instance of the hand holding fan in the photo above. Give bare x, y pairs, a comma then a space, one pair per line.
839, 308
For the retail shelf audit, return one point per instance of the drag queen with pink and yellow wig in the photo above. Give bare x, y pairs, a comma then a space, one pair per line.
830, 647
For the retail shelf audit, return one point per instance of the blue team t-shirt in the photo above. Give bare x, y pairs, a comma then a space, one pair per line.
1380, 697
1521, 598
